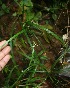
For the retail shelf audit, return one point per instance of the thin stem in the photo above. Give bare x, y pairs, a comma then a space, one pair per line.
16, 35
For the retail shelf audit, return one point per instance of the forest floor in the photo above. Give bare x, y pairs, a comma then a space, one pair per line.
10, 25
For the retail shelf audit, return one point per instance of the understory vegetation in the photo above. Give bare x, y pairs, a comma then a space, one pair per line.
39, 36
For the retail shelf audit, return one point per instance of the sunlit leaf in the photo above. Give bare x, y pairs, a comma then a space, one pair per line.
15, 14
29, 15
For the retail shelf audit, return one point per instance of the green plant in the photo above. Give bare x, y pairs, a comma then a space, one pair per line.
33, 58
35, 73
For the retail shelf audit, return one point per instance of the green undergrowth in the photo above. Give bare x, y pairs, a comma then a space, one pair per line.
35, 73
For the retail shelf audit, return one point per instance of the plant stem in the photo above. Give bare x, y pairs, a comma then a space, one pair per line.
16, 35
